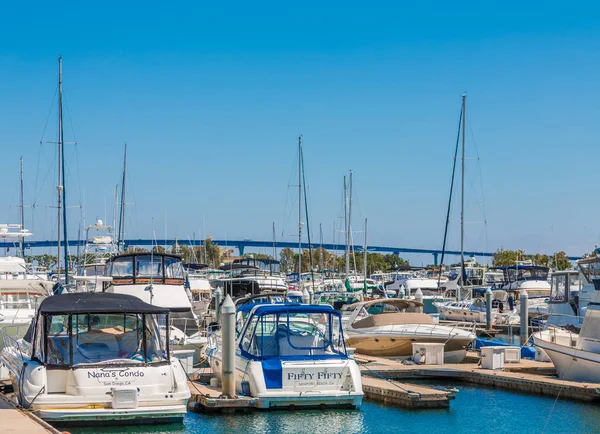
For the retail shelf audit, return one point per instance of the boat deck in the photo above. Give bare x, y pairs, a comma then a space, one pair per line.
528, 376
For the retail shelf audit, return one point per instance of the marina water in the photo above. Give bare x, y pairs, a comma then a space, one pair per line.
475, 410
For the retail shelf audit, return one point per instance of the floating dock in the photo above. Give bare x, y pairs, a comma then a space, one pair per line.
405, 395
207, 399
527, 376
21, 421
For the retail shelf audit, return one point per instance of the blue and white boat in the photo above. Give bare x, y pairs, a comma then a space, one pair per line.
291, 355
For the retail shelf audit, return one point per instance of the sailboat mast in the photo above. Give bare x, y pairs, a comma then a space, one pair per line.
121, 234
462, 198
349, 228
321, 245
59, 186
365, 257
299, 208
346, 227
274, 250
62, 163
22, 217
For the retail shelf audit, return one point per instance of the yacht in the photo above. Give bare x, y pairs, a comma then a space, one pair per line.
157, 279
576, 357
291, 355
474, 309
97, 358
387, 328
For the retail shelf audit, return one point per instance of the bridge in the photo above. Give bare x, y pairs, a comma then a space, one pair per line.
241, 245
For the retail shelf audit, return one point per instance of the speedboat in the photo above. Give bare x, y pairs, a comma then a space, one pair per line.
291, 355
576, 357
388, 327
97, 357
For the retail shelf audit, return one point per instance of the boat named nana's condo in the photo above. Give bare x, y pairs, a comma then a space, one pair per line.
90, 357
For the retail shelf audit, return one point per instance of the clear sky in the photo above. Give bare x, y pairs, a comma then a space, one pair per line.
211, 99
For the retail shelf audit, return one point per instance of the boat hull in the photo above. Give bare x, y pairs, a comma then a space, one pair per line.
571, 364
455, 350
85, 417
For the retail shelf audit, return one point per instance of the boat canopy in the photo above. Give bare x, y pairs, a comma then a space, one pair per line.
516, 273
95, 329
96, 302
291, 331
141, 267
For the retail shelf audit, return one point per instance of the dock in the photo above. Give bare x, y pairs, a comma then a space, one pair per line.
527, 376
207, 399
15, 420
405, 395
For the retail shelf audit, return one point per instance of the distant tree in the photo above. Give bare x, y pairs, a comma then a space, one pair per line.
505, 258
560, 261
287, 259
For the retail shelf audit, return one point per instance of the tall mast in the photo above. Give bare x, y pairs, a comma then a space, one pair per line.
349, 228
299, 208
365, 258
274, 249
321, 243
462, 199
121, 234
346, 228
22, 216
63, 184
59, 186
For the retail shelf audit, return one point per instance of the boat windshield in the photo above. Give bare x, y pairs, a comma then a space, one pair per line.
293, 335
527, 273
89, 339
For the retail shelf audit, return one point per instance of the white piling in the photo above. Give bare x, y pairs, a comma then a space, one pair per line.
305, 296
218, 298
419, 297
524, 326
228, 334
488, 309
311, 294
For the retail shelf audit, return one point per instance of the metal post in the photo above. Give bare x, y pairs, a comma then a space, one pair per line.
488, 309
311, 294
218, 298
228, 334
524, 301
401, 292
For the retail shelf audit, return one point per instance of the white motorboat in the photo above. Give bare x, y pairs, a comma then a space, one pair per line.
576, 357
157, 279
291, 355
388, 327
97, 357
474, 309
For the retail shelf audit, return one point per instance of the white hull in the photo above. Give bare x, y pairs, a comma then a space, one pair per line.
571, 364
343, 391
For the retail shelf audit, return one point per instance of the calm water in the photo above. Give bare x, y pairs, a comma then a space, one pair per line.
474, 411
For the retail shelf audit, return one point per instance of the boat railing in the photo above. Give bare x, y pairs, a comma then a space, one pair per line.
12, 345
429, 329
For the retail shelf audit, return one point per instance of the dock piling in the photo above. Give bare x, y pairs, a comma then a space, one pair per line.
524, 301
228, 333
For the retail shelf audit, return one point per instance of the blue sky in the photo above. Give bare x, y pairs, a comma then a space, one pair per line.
211, 99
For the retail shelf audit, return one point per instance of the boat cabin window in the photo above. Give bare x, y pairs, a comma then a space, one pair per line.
559, 292
527, 273
81, 339
290, 334
173, 268
121, 267
147, 266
